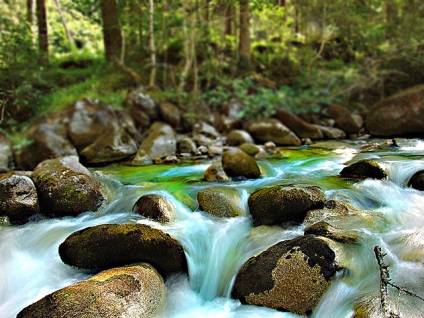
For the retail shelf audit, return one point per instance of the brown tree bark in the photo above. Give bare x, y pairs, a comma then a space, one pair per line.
30, 12
244, 37
43, 43
229, 18
112, 33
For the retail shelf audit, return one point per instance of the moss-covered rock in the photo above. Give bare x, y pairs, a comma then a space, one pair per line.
364, 169
111, 245
344, 120
280, 204
214, 173
133, 291
265, 130
170, 114
65, 187
289, 276
238, 137
300, 127
327, 230
220, 201
251, 149
236, 163
417, 181
154, 206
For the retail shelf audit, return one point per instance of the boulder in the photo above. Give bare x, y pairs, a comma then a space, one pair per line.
344, 119
111, 245
331, 132
417, 181
137, 100
186, 145
300, 127
236, 163
265, 130
400, 114
327, 230
45, 141
220, 202
289, 276
251, 149
18, 198
133, 291
239, 137
206, 130
281, 204
332, 210
213, 173
170, 114
153, 206
65, 187
364, 169
160, 142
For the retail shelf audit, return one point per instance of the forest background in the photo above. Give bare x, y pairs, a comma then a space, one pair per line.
302, 55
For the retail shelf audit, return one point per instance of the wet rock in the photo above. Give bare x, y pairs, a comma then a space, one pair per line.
153, 206
213, 173
289, 276
236, 163
170, 114
331, 145
265, 130
127, 124
65, 187
220, 201
133, 291
327, 230
186, 145
344, 119
300, 127
250, 149
398, 115
137, 100
417, 181
18, 198
205, 129
331, 132
281, 204
270, 146
44, 141
333, 209
112, 245
364, 169
160, 142
239, 137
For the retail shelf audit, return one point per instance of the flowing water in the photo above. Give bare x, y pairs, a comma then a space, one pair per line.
30, 266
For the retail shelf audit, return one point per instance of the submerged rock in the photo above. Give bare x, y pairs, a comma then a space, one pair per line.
289, 276
281, 204
265, 130
220, 201
236, 163
364, 169
133, 291
111, 245
417, 181
153, 206
18, 198
65, 187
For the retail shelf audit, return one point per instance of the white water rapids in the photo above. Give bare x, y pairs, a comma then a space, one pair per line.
31, 268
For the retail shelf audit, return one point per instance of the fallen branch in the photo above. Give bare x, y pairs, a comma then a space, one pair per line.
128, 71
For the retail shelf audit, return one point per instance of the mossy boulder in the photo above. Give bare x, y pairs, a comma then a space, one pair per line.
170, 114
154, 206
300, 127
133, 291
344, 120
236, 163
281, 204
214, 173
289, 276
417, 181
112, 245
251, 149
65, 187
327, 230
265, 130
220, 201
238, 137
138, 100
18, 198
364, 169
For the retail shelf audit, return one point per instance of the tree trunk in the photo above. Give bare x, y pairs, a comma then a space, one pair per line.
65, 26
152, 45
112, 33
43, 43
229, 17
135, 38
244, 37
30, 12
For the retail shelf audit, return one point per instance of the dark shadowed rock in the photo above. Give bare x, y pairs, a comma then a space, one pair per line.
133, 291
300, 127
364, 169
18, 198
239, 137
399, 114
65, 187
213, 173
236, 163
289, 276
280, 204
170, 114
111, 245
344, 119
331, 132
417, 181
186, 145
153, 206
220, 201
265, 130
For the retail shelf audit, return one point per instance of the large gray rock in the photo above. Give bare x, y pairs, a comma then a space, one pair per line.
18, 198
65, 187
236, 163
137, 100
300, 127
265, 130
399, 114
289, 276
111, 245
220, 201
160, 142
280, 204
133, 291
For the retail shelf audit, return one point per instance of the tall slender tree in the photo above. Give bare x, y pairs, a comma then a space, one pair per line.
244, 37
112, 32
43, 38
